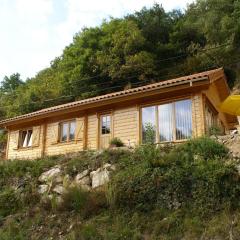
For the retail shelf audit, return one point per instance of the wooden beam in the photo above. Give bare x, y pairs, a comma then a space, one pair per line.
43, 147
85, 138
7, 148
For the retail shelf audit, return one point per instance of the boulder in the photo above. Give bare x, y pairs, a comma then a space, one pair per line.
85, 187
113, 168
107, 166
59, 189
99, 177
84, 181
54, 174
43, 188
82, 175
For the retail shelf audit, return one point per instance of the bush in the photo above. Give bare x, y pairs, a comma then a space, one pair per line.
10, 202
84, 202
116, 142
206, 148
215, 130
174, 179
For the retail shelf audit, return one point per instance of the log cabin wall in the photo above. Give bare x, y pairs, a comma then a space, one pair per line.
126, 125
16, 152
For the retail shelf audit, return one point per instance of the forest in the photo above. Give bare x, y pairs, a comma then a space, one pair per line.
143, 47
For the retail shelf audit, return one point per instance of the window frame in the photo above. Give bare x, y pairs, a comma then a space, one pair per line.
208, 105
68, 122
155, 105
101, 125
20, 138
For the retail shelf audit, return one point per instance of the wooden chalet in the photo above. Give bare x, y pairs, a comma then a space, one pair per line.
168, 111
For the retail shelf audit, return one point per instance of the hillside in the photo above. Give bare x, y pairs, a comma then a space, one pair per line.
190, 191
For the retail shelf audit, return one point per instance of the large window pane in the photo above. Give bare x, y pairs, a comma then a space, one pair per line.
210, 118
72, 130
149, 125
29, 136
64, 132
25, 138
165, 118
183, 111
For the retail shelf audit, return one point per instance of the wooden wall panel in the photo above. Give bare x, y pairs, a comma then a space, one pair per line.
126, 125
27, 153
92, 132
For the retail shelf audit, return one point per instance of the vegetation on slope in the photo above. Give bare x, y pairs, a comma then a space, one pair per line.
155, 193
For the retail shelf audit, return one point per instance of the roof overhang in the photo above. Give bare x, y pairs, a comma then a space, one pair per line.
127, 95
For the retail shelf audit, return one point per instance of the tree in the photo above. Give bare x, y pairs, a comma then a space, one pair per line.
11, 83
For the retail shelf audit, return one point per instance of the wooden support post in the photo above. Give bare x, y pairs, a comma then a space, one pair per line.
44, 131
85, 134
7, 147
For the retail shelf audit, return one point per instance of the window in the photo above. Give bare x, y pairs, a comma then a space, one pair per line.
26, 138
210, 118
167, 122
212, 121
183, 115
105, 124
149, 124
67, 131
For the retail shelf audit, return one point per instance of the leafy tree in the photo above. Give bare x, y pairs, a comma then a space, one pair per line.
11, 83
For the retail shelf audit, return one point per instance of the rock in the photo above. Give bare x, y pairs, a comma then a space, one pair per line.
84, 181
99, 177
94, 172
50, 175
113, 168
85, 187
59, 189
107, 166
81, 175
43, 188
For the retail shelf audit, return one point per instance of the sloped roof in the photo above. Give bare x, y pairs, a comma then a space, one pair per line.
116, 95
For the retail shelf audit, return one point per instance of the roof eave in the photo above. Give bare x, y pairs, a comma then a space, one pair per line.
42, 115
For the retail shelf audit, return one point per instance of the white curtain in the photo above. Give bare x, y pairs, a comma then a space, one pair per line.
183, 112
165, 119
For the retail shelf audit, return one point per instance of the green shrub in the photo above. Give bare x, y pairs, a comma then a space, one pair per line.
78, 163
21, 168
116, 142
204, 147
174, 179
214, 130
84, 202
10, 201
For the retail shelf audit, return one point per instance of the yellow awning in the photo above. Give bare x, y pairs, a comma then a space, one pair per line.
231, 105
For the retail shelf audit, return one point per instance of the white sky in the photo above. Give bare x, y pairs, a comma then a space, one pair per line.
34, 32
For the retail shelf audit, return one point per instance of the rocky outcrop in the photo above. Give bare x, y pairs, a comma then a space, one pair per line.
232, 141
54, 174
54, 181
99, 177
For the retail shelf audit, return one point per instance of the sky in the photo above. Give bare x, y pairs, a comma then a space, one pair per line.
34, 32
